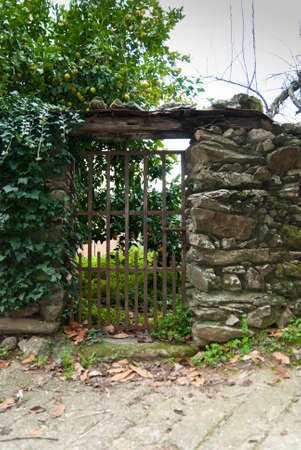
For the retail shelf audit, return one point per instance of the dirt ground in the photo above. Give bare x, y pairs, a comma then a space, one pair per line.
236, 408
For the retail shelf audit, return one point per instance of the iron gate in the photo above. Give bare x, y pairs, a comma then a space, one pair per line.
115, 286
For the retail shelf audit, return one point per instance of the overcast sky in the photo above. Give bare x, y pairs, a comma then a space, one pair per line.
205, 34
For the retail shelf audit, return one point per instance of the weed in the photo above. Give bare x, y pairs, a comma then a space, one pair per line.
42, 360
175, 326
4, 351
67, 363
88, 361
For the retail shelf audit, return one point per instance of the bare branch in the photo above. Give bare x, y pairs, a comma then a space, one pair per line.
284, 95
236, 83
243, 42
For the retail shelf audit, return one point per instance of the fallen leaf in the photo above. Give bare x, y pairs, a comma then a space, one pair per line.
129, 377
120, 336
234, 359
277, 333
4, 364
142, 372
94, 373
179, 411
160, 383
123, 362
116, 370
283, 433
78, 367
37, 409
121, 376
246, 383
284, 359
182, 381
84, 376
59, 410
35, 431
283, 372
8, 403
30, 358
200, 381
110, 328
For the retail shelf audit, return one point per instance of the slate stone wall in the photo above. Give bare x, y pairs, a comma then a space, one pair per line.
244, 229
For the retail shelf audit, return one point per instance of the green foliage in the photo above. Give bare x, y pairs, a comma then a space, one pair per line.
88, 361
67, 363
175, 326
70, 54
30, 132
121, 285
3, 351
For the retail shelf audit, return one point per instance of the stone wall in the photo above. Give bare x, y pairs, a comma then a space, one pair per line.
244, 234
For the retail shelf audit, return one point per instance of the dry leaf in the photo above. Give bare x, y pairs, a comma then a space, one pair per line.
283, 433
78, 367
200, 381
160, 383
59, 410
142, 372
35, 431
121, 376
4, 364
94, 373
129, 377
8, 403
37, 409
234, 359
123, 362
284, 359
116, 370
30, 358
110, 328
182, 381
120, 336
283, 372
84, 376
277, 333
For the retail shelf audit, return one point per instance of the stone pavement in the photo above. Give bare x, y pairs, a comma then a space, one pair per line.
243, 409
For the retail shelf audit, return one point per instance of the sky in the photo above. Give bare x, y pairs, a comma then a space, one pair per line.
205, 34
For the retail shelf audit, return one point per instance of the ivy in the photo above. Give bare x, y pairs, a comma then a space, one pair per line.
33, 149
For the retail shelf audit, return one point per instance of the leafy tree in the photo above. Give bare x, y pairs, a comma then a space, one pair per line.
114, 49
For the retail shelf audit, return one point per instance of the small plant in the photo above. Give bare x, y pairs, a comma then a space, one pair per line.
3, 351
175, 327
67, 363
88, 361
42, 360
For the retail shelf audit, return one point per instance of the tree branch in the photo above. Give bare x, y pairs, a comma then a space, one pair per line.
285, 94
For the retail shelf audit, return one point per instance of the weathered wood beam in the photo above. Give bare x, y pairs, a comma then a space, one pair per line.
124, 125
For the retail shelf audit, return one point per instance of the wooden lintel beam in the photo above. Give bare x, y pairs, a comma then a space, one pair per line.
132, 125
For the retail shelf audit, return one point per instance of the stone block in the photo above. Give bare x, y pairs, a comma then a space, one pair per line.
259, 135
202, 278
231, 282
52, 306
26, 326
254, 279
202, 334
221, 224
262, 317
284, 159
34, 345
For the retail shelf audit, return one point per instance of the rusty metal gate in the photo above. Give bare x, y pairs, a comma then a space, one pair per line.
131, 285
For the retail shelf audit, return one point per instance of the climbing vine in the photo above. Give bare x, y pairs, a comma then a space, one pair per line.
33, 150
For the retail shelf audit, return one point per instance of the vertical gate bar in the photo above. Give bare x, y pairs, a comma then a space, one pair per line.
108, 224
145, 264
155, 267
174, 288
80, 280
136, 289
90, 206
117, 291
98, 292
164, 235
183, 214
127, 233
